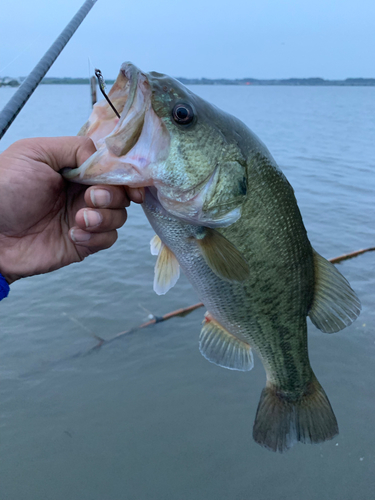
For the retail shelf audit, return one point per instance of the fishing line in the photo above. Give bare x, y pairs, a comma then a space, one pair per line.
19, 99
21, 53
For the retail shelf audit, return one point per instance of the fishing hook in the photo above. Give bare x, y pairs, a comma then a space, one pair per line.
101, 83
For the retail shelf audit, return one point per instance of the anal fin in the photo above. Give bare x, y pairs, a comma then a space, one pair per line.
219, 346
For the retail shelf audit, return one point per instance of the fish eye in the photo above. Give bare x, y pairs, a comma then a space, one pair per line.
183, 114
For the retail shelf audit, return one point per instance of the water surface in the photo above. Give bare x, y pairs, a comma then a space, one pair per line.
147, 417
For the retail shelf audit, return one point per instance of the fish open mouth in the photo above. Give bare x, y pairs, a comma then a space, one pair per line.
128, 146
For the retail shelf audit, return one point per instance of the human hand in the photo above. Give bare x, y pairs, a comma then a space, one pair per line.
46, 222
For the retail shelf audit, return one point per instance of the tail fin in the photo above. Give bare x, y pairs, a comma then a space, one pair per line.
282, 421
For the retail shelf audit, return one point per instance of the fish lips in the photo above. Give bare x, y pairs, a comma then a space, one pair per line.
127, 147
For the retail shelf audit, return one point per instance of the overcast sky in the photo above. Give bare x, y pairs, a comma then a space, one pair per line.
332, 39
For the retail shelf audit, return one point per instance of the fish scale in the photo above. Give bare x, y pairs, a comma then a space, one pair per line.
246, 303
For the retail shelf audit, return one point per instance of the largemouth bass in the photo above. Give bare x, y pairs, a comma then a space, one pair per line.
224, 212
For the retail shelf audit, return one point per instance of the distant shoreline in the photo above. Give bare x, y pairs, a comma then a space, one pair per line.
320, 82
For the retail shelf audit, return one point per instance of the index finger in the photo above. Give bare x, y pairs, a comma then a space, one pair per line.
57, 152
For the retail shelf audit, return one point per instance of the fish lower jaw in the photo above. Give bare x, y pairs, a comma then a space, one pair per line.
111, 172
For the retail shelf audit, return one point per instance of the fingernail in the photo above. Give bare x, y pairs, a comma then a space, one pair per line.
78, 235
92, 218
100, 197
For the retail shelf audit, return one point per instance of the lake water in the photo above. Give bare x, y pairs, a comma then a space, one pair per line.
147, 417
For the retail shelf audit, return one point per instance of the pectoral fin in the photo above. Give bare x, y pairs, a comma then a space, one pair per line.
155, 245
167, 270
222, 256
335, 304
219, 346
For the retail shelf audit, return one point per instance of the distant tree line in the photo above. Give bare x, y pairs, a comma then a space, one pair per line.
7, 81
241, 81
365, 82
287, 81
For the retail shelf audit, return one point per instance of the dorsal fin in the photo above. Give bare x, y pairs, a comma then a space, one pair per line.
219, 346
222, 256
335, 304
167, 270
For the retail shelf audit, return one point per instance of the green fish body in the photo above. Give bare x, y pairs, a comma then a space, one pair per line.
224, 212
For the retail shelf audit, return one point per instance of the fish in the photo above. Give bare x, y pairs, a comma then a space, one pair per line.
225, 214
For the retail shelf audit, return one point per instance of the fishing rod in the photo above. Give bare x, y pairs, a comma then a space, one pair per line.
19, 99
